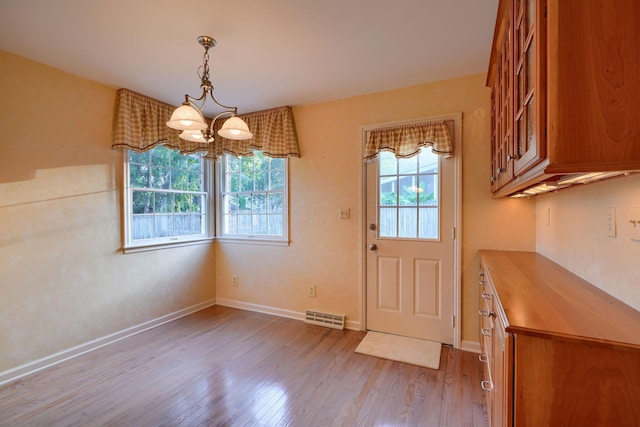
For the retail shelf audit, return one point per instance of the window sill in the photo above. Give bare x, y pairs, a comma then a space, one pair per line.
167, 245
253, 241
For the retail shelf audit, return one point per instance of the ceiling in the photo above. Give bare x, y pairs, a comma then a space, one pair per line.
269, 52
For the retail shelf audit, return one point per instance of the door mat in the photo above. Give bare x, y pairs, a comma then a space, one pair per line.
401, 349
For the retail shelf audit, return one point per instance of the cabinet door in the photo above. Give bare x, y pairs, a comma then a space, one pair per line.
529, 44
502, 112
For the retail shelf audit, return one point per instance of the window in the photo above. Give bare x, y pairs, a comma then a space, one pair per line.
409, 195
253, 198
167, 198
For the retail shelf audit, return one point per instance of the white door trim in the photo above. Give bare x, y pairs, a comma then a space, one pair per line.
457, 220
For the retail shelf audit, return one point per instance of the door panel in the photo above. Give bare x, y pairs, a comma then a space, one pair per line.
427, 287
410, 246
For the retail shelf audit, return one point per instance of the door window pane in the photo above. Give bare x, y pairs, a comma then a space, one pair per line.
406, 188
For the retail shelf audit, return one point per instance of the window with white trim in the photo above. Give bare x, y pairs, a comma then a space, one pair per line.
167, 198
253, 198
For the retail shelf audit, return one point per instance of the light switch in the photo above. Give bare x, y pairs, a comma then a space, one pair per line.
344, 213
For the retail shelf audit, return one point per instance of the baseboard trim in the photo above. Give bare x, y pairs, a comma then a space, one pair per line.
275, 311
48, 361
471, 346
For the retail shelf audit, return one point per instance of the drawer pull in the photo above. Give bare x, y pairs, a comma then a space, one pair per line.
483, 282
486, 313
486, 385
486, 295
486, 332
481, 274
483, 358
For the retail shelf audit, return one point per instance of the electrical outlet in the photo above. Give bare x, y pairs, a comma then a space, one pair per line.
611, 222
235, 280
312, 291
344, 213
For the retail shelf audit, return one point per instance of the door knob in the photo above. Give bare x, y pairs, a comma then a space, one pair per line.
372, 227
373, 247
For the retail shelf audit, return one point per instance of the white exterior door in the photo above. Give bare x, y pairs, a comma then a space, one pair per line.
410, 246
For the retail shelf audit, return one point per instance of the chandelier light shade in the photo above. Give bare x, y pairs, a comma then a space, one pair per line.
189, 117
235, 128
186, 117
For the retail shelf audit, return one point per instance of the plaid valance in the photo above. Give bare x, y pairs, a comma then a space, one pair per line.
406, 140
140, 124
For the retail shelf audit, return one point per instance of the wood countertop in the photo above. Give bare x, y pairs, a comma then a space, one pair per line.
539, 297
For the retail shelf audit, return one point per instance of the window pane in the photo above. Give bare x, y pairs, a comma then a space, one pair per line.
161, 156
246, 182
388, 191
258, 203
163, 202
408, 166
142, 202
387, 163
276, 225
230, 224
408, 192
428, 190
138, 157
229, 203
196, 181
142, 227
233, 164
428, 223
274, 203
276, 181
178, 161
232, 182
244, 203
408, 223
277, 164
428, 162
261, 181
180, 180
163, 225
388, 222
138, 175
244, 224
182, 223
259, 224
160, 177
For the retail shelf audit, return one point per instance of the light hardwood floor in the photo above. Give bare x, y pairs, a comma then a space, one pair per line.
228, 367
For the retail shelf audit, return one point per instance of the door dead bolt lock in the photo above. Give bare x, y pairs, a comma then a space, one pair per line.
373, 247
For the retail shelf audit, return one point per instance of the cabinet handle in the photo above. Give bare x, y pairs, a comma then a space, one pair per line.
510, 157
486, 295
486, 313
483, 282
486, 385
486, 332
493, 180
499, 171
481, 275
483, 358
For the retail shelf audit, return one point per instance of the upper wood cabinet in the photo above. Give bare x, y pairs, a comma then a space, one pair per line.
565, 91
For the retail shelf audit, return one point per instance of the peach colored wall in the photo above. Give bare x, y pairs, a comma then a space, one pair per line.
63, 279
327, 251
577, 235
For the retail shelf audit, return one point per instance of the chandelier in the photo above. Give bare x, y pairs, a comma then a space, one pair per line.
189, 117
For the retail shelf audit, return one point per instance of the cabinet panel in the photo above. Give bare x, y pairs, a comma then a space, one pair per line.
529, 71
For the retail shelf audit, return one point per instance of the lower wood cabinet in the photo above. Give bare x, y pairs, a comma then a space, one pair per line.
557, 351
